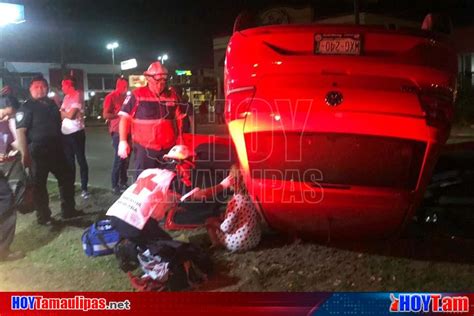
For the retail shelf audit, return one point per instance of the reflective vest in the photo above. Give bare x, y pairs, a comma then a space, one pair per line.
156, 134
148, 197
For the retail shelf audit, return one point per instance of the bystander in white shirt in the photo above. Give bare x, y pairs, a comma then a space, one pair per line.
73, 101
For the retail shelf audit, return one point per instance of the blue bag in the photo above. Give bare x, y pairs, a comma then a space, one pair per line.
100, 239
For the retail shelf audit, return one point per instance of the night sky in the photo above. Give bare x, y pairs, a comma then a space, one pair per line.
183, 29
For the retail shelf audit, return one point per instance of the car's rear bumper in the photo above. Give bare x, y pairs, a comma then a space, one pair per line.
352, 208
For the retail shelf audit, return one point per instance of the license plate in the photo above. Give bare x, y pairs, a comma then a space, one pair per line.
337, 44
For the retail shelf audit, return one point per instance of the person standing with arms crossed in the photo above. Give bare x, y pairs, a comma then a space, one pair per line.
74, 135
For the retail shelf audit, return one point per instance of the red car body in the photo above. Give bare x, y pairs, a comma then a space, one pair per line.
337, 128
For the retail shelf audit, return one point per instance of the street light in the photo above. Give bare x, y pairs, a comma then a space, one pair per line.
162, 58
113, 46
11, 13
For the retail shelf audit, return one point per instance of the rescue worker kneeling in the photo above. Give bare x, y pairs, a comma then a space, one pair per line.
136, 214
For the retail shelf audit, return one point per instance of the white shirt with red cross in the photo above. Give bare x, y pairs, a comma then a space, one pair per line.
148, 197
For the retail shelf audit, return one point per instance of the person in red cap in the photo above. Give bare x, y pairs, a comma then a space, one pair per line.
112, 105
153, 117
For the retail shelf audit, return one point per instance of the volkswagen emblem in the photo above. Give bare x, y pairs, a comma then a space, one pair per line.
334, 98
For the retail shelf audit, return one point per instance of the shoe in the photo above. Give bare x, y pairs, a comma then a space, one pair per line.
123, 188
11, 255
47, 223
73, 214
85, 194
117, 190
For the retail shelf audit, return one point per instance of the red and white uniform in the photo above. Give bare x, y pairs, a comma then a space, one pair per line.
153, 118
149, 197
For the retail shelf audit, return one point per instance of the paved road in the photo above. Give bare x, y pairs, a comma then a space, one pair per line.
100, 153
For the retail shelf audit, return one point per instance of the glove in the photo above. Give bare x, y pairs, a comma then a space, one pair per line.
123, 149
227, 182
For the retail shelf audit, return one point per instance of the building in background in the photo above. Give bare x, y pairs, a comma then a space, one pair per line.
275, 15
95, 80
464, 41
199, 83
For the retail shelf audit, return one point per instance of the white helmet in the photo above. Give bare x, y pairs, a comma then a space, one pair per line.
179, 152
156, 69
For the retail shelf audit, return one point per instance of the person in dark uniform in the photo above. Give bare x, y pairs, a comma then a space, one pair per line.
38, 123
7, 213
153, 116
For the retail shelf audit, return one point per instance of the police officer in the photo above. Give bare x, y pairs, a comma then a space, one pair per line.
39, 139
153, 116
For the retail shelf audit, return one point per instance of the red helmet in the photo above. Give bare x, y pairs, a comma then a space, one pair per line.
156, 69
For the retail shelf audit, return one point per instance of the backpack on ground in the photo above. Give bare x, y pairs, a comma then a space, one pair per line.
100, 239
126, 253
170, 265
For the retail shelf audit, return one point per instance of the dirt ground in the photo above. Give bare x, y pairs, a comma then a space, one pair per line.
280, 264
425, 259
428, 259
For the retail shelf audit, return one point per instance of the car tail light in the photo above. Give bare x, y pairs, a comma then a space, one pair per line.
437, 105
238, 103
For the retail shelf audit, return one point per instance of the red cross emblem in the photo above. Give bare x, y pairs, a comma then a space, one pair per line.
143, 183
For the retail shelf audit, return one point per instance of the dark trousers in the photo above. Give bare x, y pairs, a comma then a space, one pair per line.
7, 215
147, 158
46, 159
75, 148
120, 166
150, 232
220, 118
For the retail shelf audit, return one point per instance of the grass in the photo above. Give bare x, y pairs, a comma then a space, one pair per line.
55, 260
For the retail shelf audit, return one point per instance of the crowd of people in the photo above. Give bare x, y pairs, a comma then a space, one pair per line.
150, 122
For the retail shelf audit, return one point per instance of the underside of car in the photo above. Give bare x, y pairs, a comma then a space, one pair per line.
338, 127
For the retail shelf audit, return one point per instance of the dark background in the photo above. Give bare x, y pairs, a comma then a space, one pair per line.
183, 29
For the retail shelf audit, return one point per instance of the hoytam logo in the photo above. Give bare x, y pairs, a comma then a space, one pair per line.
435, 303
75, 303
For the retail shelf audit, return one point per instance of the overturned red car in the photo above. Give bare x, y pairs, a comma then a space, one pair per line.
338, 127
